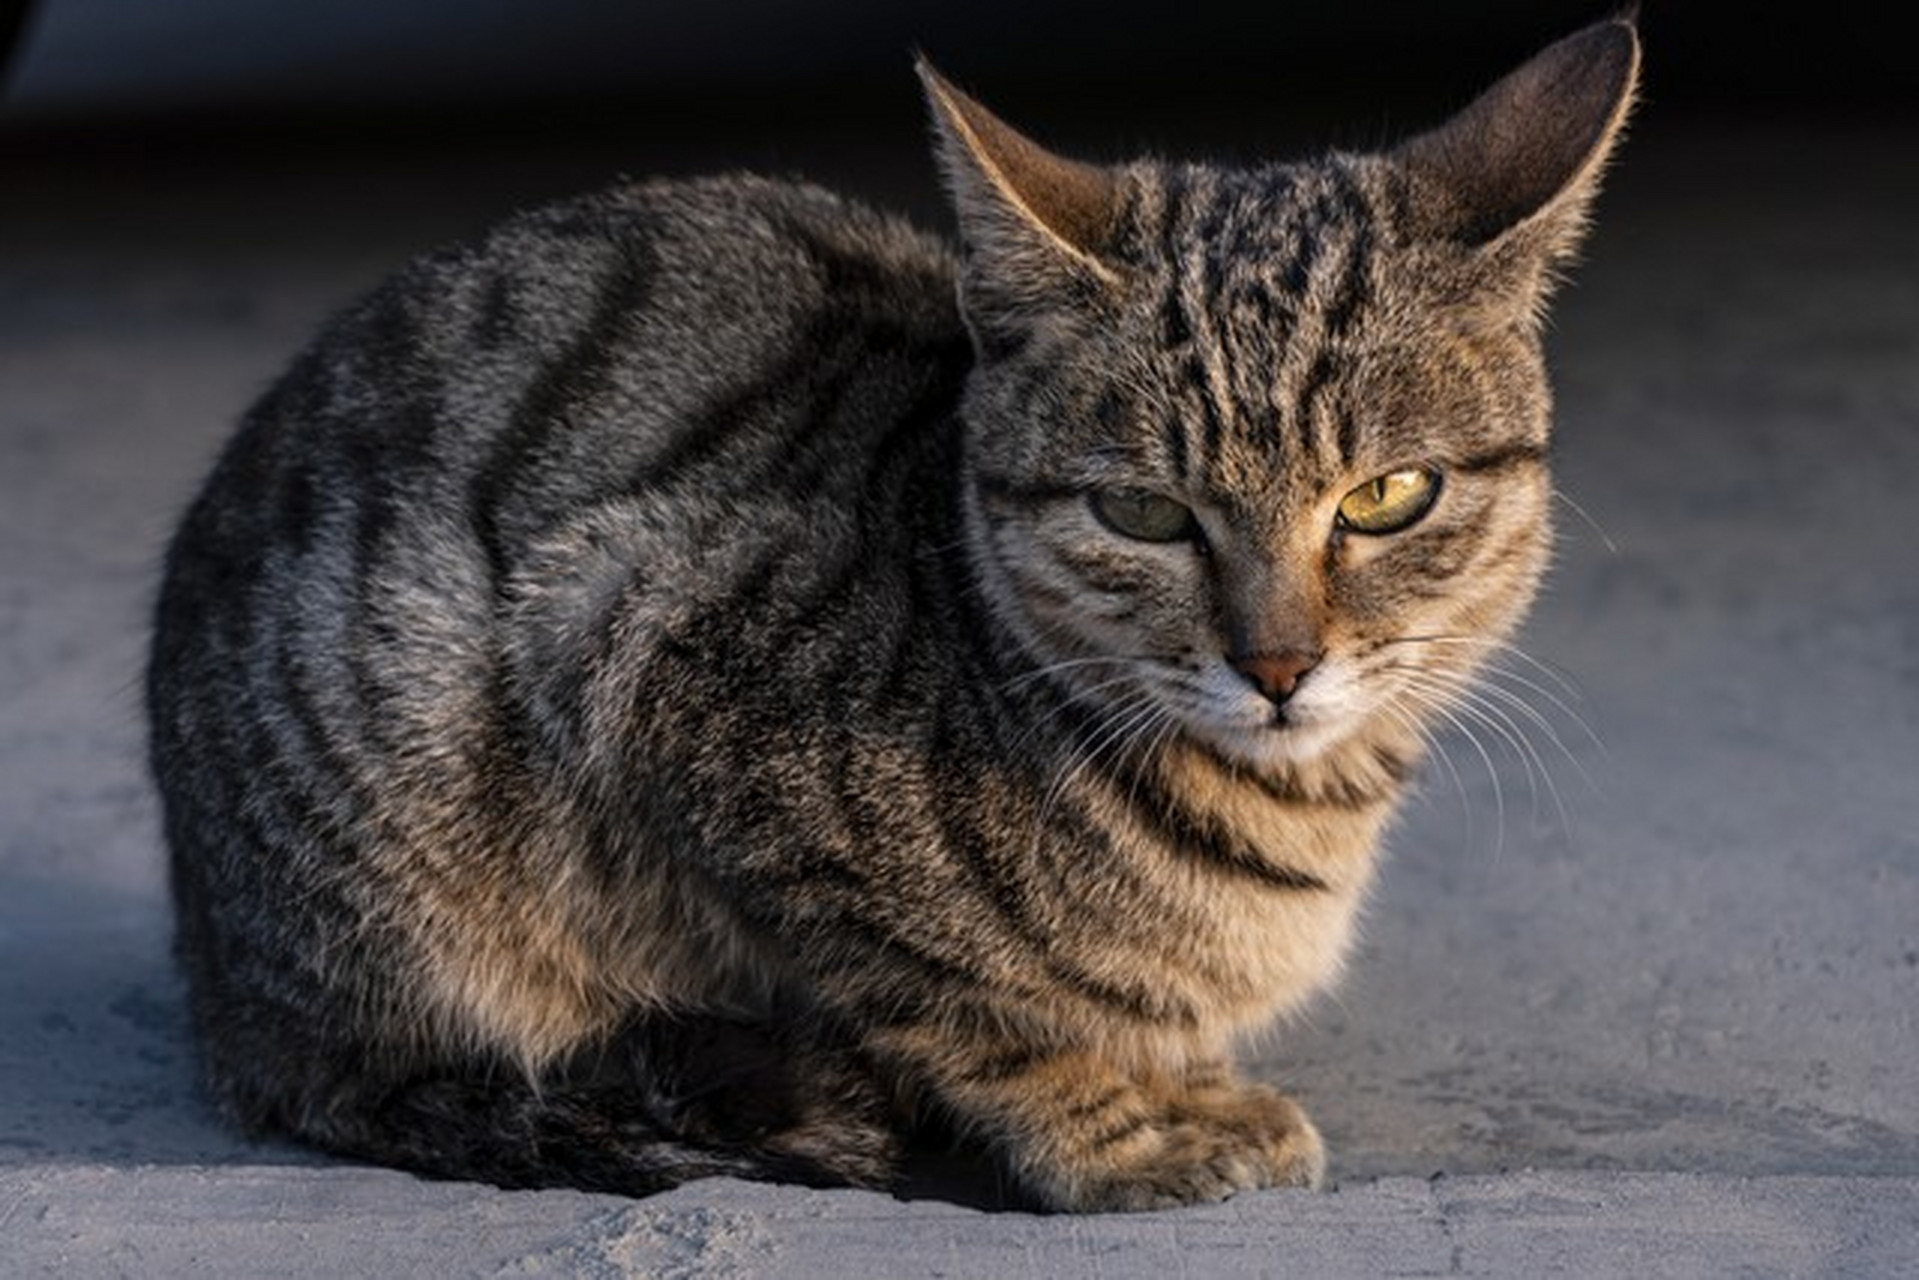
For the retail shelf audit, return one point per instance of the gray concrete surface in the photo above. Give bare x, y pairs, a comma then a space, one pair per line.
1638, 997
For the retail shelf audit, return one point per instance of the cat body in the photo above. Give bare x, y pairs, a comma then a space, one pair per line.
707, 675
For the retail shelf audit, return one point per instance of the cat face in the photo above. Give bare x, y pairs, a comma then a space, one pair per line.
1258, 457
1262, 493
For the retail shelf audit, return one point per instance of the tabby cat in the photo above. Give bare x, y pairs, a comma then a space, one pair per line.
709, 680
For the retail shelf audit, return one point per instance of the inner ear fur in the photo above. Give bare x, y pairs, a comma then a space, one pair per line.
1013, 195
1529, 150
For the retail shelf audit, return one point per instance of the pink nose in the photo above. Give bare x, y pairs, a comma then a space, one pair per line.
1276, 674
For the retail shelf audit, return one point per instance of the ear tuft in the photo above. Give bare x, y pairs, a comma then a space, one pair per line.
1014, 198
1529, 151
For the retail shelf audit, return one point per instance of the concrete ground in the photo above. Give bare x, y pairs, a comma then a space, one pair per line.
1639, 994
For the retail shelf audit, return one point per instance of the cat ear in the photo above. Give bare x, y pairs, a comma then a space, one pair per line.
1521, 165
1026, 214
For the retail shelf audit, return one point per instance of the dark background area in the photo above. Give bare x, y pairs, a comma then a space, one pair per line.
106, 58
238, 72
145, 116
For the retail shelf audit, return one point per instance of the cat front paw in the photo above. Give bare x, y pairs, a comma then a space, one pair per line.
1192, 1150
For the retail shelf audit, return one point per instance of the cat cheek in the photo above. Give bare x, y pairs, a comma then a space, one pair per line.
1359, 554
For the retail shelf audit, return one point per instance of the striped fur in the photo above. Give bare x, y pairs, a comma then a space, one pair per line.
651, 694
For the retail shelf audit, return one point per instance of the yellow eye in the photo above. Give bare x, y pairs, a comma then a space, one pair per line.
1389, 503
1143, 515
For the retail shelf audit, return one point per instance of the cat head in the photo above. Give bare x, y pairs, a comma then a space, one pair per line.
1259, 455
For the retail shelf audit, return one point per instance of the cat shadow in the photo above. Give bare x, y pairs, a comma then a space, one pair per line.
96, 1060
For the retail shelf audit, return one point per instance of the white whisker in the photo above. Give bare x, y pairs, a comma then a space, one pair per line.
1535, 717
1437, 703
1432, 742
1604, 537
1488, 705
1073, 696
1069, 664
1560, 705
1493, 648
1124, 719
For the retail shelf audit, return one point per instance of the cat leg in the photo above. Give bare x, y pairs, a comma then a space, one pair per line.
668, 1100
791, 1086
1082, 1134
501, 1130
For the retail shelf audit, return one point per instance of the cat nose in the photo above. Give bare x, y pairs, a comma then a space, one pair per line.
1275, 674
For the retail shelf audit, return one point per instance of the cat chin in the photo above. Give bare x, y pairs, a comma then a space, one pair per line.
1267, 747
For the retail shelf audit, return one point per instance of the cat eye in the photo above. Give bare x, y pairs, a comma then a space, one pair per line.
1389, 503
1144, 516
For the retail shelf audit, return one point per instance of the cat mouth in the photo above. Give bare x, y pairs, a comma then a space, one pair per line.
1278, 736
1225, 713
1281, 719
